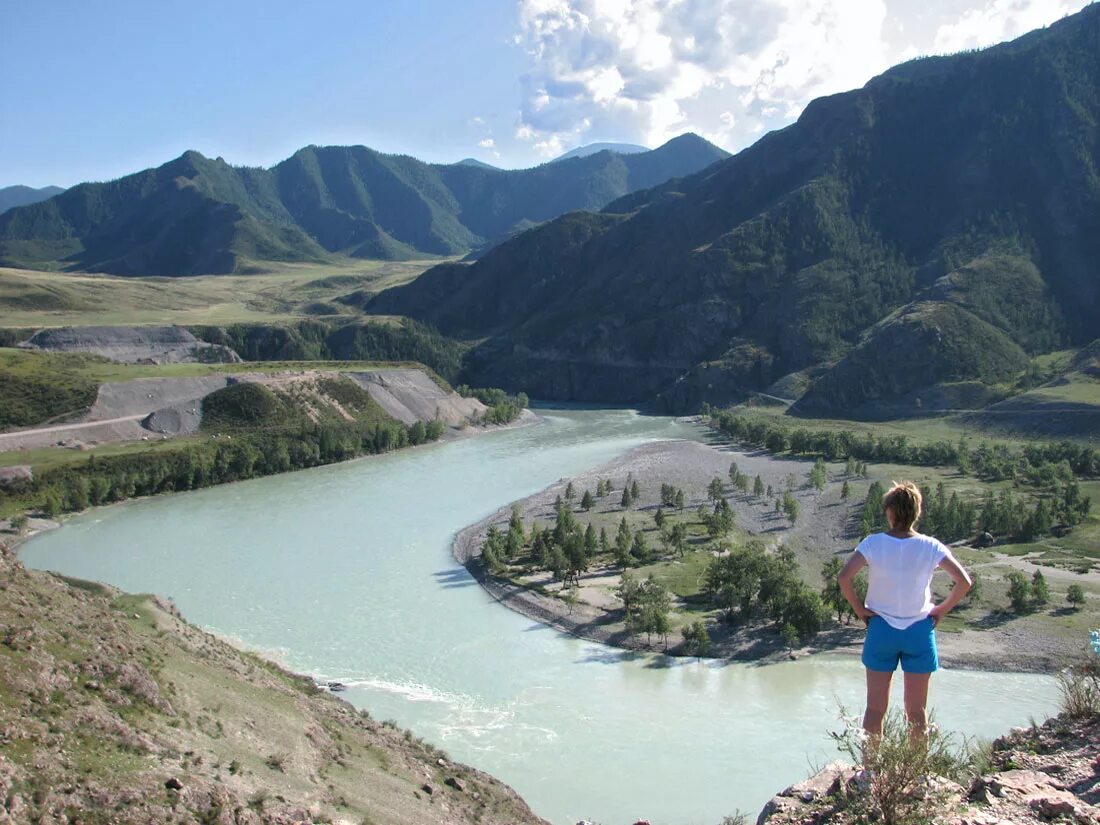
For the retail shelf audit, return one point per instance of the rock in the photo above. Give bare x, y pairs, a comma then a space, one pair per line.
441, 762
1020, 782
428, 789
826, 781
92, 685
455, 783
1042, 794
173, 784
784, 806
336, 687
16, 475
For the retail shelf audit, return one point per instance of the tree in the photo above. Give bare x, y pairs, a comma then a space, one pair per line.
19, 523
576, 556
679, 538
52, 505
758, 487
587, 502
791, 507
635, 492
626, 500
591, 543
696, 639
845, 491
1075, 596
1019, 593
1040, 591
819, 475
831, 594
622, 545
605, 545
680, 501
722, 520
659, 517
733, 472
570, 493
515, 521
715, 490
639, 549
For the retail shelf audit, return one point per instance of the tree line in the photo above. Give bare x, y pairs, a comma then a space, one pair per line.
1040, 464
503, 408
107, 479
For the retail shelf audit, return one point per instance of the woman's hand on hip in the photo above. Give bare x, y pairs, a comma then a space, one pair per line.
937, 613
866, 614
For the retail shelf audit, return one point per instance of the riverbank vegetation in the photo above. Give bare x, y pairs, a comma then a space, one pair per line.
206, 461
503, 408
741, 558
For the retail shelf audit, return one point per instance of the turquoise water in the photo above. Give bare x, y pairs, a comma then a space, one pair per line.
345, 572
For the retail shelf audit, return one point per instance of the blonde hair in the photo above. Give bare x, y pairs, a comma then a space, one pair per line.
905, 500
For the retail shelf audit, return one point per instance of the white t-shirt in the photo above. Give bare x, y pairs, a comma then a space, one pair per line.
900, 578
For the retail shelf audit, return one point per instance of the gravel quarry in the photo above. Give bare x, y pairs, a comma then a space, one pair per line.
133, 345
147, 408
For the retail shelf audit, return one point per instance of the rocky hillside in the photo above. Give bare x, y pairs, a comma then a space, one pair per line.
950, 199
195, 215
1045, 773
133, 345
115, 710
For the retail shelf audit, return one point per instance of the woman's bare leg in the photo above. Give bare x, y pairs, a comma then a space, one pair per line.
878, 700
916, 703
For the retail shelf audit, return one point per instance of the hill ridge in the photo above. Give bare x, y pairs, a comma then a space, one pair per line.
196, 215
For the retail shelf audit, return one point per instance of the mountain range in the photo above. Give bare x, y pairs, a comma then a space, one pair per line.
195, 215
593, 148
13, 196
910, 244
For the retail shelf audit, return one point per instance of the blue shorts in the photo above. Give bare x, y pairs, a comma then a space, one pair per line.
914, 647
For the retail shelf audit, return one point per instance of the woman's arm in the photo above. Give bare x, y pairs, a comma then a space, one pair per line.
961, 588
856, 562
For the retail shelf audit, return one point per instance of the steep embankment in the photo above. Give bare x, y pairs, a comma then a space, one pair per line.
963, 184
136, 409
133, 345
113, 709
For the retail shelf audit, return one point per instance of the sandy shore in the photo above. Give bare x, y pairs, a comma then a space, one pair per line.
827, 526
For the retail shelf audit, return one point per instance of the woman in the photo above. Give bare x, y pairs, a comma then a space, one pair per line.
900, 614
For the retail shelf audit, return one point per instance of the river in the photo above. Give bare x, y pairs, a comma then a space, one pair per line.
344, 572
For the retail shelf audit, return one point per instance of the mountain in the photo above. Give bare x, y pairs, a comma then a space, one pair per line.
12, 196
594, 148
480, 164
195, 215
951, 199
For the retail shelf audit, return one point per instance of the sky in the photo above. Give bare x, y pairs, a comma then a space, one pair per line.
94, 91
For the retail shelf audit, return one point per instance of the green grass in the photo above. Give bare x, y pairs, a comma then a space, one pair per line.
40, 389
280, 292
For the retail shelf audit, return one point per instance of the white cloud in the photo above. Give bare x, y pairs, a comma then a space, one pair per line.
489, 145
999, 20
649, 69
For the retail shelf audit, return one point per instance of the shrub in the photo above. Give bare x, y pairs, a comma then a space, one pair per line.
1080, 683
897, 785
